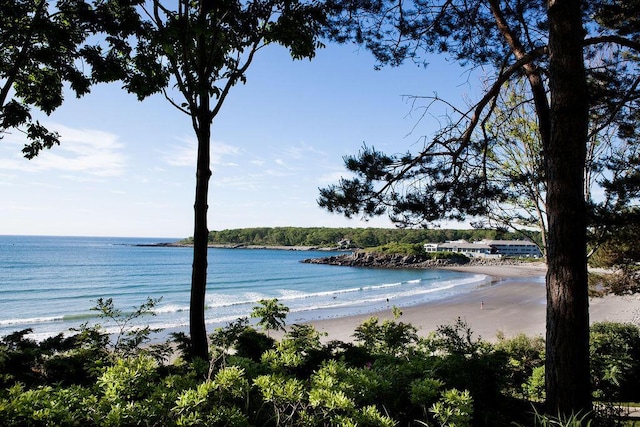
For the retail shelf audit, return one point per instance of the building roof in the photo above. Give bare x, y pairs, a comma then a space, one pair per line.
509, 242
464, 245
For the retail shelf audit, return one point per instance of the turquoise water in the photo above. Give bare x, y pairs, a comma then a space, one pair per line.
50, 283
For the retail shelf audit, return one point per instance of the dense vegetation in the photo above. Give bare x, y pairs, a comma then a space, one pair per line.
389, 376
358, 237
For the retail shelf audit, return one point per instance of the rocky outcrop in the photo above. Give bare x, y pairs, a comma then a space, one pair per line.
380, 260
371, 259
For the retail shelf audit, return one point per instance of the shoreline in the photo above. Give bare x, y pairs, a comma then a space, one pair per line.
512, 302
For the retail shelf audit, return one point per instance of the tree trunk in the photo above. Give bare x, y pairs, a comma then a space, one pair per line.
198, 331
567, 348
201, 118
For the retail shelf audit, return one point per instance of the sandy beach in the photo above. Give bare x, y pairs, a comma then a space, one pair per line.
512, 302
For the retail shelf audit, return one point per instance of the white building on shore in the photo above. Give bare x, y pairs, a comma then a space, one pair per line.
459, 246
519, 248
487, 248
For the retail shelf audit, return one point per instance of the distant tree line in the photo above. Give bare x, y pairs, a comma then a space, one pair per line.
357, 237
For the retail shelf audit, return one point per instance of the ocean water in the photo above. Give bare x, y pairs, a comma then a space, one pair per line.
50, 284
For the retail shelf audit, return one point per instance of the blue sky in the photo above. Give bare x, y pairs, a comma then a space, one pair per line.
127, 168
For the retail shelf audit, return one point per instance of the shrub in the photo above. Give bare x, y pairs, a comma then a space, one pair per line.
19, 356
469, 363
625, 281
252, 344
272, 314
389, 338
454, 256
394, 248
239, 336
534, 387
615, 360
131, 340
361, 386
128, 379
391, 378
298, 353
454, 409
56, 360
523, 354
46, 405
216, 402
425, 392
285, 395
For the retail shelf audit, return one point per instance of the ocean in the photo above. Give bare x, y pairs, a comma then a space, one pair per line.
50, 284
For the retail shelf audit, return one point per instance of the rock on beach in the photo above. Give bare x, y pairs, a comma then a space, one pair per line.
379, 260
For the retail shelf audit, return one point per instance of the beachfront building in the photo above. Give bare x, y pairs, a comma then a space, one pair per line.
487, 248
461, 247
518, 248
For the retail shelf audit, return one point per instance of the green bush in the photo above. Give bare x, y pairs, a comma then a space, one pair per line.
455, 256
615, 361
388, 377
425, 392
390, 338
19, 357
534, 387
128, 379
284, 395
130, 340
523, 355
56, 360
469, 363
216, 402
454, 409
394, 248
46, 405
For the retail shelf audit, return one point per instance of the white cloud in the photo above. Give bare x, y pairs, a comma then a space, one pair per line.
220, 150
301, 151
182, 154
185, 153
244, 182
5, 177
278, 173
47, 185
292, 158
86, 151
330, 178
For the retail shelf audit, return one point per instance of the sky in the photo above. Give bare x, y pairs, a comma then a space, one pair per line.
127, 168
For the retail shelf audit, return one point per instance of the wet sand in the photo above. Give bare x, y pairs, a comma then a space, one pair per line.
512, 303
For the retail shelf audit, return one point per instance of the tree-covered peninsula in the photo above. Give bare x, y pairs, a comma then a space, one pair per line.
345, 237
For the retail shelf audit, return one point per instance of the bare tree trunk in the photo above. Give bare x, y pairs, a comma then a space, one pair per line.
197, 326
567, 348
201, 118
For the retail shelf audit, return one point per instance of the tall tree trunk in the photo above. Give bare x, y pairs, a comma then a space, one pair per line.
201, 118
567, 348
197, 326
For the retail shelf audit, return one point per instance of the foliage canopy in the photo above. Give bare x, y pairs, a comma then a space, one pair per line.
46, 48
